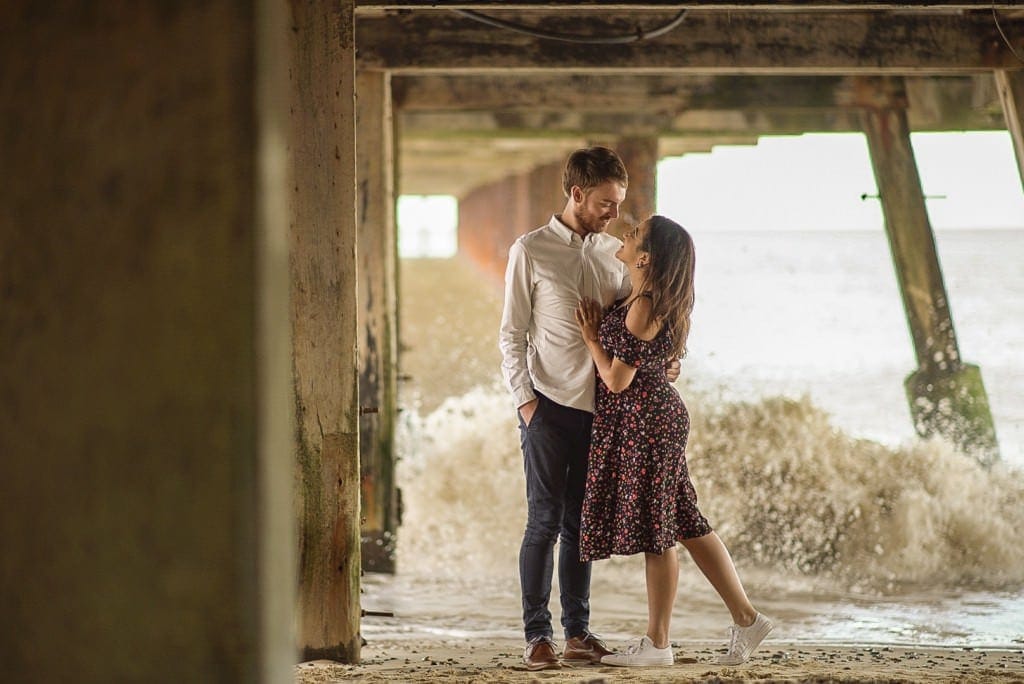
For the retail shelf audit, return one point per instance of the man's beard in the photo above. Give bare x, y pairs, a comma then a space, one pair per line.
590, 223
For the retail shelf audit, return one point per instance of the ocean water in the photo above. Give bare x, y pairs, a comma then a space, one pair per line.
845, 527
820, 314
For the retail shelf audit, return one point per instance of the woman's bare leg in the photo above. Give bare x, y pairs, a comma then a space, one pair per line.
662, 572
713, 559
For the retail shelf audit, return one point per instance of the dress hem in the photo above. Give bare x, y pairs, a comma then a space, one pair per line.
641, 549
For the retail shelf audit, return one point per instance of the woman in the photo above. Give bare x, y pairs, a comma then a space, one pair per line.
639, 497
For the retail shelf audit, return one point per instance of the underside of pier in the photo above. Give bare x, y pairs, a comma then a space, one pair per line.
487, 100
198, 265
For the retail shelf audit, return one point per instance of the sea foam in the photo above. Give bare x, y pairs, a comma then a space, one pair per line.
789, 492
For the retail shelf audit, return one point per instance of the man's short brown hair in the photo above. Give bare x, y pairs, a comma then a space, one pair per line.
591, 166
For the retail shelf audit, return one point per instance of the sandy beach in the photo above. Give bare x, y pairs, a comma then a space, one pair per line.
499, 661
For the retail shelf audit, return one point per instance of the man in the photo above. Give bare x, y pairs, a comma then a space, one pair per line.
551, 376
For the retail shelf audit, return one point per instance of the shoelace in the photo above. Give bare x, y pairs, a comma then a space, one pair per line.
538, 641
735, 643
635, 646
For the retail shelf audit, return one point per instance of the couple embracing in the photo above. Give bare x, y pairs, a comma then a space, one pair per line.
604, 456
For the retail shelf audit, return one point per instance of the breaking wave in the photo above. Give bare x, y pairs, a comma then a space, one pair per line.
789, 492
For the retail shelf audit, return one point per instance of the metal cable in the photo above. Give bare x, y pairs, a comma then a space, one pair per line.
995, 18
640, 34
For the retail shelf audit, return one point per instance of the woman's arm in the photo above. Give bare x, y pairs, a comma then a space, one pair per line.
617, 376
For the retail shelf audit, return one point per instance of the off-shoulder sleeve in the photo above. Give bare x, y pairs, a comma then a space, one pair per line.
624, 345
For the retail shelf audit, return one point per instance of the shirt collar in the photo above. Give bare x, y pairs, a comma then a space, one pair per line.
564, 232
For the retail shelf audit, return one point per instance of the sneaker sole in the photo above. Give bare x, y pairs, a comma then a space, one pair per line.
545, 666
663, 664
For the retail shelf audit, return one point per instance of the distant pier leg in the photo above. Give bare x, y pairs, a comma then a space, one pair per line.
1010, 85
378, 351
946, 396
640, 155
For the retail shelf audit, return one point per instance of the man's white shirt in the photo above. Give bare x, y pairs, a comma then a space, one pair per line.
549, 270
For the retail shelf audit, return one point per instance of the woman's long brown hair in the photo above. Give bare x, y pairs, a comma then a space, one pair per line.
669, 277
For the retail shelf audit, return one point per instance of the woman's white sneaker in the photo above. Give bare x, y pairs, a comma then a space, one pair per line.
641, 653
743, 641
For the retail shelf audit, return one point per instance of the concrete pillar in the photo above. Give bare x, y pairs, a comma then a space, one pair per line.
1010, 85
947, 397
378, 307
145, 436
640, 155
324, 305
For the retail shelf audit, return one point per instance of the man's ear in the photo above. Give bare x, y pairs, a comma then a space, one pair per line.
577, 194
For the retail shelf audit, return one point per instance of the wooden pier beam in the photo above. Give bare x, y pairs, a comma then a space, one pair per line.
733, 42
1010, 85
946, 396
640, 155
324, 305
378, 306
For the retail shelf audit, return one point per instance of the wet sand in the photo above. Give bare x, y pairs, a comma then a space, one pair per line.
489, 660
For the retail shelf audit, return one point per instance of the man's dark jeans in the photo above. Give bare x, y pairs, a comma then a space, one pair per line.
555, 449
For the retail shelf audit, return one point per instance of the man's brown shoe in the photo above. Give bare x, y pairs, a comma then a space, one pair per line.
587, 648
540, 655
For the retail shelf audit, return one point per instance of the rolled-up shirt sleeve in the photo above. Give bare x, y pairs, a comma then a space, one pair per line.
513, 338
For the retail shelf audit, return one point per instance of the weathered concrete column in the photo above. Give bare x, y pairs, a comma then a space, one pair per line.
640, 155
145, 435
378, 313
947, 397
324, 305
1010, 85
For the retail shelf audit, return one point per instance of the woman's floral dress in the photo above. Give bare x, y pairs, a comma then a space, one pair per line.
639, 496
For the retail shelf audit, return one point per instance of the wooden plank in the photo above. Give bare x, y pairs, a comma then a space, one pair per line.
1011, 94
455, 166
602, 92
323, 267
517, 91
484, 126
504, 125
782, 5
428, 166
766, 43
378, 348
